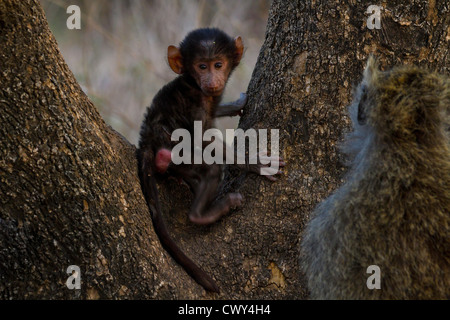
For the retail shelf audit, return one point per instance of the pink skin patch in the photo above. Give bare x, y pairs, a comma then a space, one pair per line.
162, 160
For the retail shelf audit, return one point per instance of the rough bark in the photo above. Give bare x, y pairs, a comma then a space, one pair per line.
69, 190
69, 187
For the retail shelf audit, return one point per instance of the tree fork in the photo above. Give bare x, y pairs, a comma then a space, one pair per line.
69, 189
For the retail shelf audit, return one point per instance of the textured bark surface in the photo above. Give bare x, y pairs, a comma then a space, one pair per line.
69, 188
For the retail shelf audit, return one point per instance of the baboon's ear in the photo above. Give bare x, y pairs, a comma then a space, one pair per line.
239, 48
175, 59
371, 71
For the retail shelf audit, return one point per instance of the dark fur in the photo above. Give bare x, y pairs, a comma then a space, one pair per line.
178, 105
191, 47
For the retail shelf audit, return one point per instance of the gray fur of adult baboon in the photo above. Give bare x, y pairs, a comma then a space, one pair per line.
393, 211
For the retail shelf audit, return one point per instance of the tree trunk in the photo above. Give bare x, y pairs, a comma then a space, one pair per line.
69, 187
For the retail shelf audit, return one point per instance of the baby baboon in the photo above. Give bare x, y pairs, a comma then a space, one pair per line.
394, 209
204, 61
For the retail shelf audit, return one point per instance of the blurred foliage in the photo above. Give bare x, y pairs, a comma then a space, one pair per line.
119, 55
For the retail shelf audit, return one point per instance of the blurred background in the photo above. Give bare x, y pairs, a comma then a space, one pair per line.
119, 55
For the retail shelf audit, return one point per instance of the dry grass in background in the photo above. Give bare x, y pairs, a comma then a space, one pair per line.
119, 55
